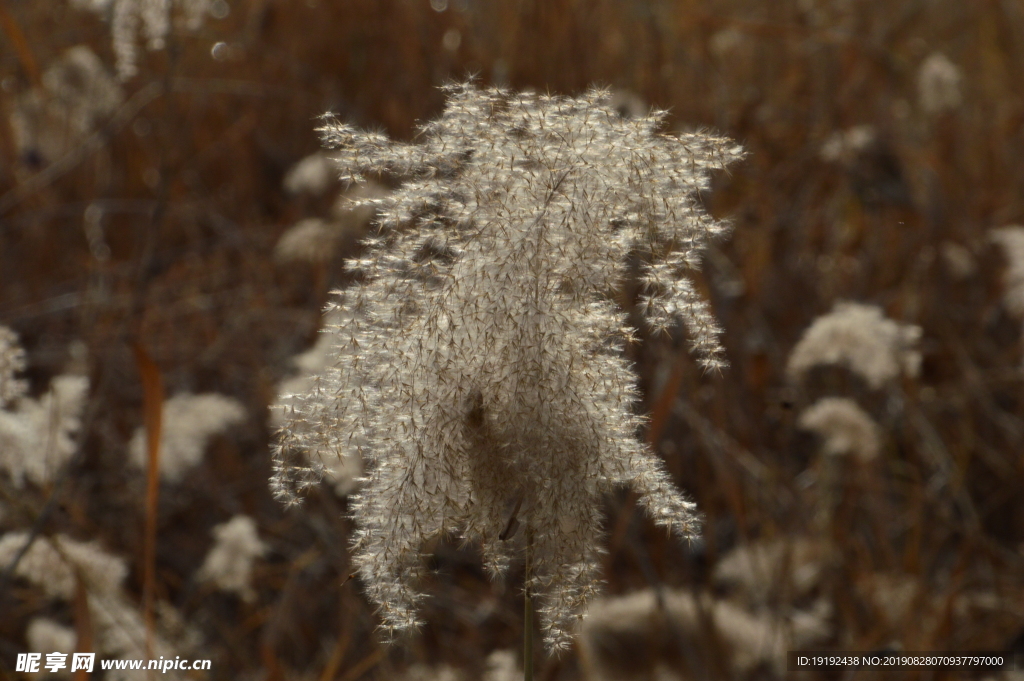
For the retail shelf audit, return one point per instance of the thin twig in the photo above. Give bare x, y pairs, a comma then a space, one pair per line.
364, 665
152, 402
83, 623
20, 44
528, 611
513, 522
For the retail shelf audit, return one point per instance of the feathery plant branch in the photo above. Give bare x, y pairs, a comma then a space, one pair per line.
478, 363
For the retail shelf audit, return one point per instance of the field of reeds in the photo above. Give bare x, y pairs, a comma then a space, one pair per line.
170, 233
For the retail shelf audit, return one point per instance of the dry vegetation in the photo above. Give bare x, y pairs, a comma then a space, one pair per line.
848, 504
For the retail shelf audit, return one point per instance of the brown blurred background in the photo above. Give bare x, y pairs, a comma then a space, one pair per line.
884, 147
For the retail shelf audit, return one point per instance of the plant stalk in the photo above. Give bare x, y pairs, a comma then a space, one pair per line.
528, 611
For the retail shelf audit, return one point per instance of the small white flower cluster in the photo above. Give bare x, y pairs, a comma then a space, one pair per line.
478, 364
787, 582
45, 636
740, 631
228, 565
313, 175
77, 95
671, 634
37, 437
844, 146
188, 423
765, 574
54, 565
501, 665
315, 239
12, 362
756, 572
308, 240
958, 259
423, 672
845, 428
1011, 240
938, 84
860, 338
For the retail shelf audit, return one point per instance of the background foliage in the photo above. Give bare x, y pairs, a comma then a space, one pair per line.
187, 173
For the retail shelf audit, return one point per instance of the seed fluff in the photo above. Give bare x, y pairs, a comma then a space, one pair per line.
478, 366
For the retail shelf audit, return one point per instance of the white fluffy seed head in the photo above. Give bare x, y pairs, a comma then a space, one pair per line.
76, 96
149, 19
12, 362
477, 363
844, 146
228, 565
37, 436
44, 635
938, 84
311, 175
860, 338
760, 571
1011, 240
51, 564
845, 428
644, 634
188, 423
309, 240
